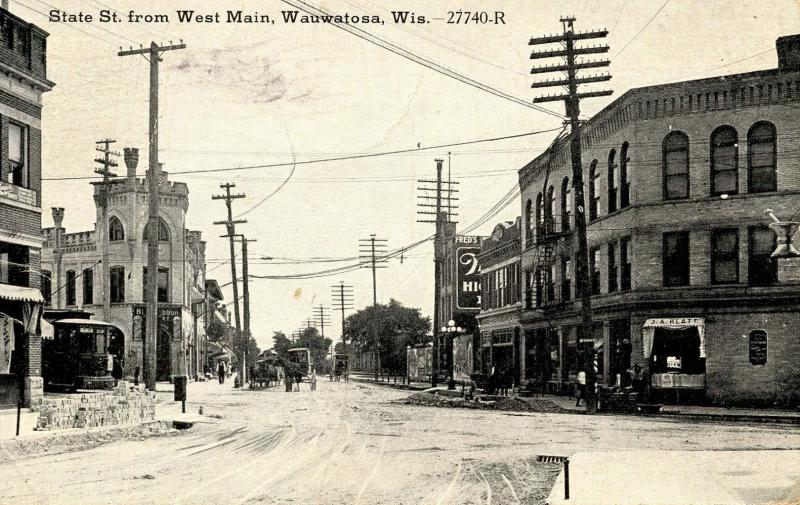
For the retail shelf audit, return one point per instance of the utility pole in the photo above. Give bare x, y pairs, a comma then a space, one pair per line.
372, 252
342, 295
322, 318
230, 224
246, 303
106, 164
572, 102
442, 211
153, 56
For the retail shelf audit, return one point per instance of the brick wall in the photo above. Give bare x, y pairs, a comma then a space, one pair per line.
18, 220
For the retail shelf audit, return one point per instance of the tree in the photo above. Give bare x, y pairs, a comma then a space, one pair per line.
396, 328
313, 341
280, 343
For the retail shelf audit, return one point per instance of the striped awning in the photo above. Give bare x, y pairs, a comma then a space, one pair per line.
20, 294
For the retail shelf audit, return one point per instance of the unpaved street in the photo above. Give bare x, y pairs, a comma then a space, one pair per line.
347, 444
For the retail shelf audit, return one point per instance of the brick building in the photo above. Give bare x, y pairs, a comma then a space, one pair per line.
677, 179
499, 346
74, 262
23, 61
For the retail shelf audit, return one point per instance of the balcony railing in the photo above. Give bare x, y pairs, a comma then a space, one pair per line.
17, 194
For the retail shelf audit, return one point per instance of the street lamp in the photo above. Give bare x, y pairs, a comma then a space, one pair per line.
452, 331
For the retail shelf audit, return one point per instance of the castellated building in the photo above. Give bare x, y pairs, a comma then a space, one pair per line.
73, 272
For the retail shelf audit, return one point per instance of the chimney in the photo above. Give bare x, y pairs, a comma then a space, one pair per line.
58, 216
788, 52
131, 162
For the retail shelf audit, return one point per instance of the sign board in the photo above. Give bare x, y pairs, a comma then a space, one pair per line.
468, 271
757, 345
166, 321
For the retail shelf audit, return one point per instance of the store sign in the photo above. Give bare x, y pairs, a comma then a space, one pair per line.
674, 362
468, 272
757, 345
169, 321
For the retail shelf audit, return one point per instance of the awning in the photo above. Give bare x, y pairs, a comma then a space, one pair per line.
48, 331
672, 323
20, 293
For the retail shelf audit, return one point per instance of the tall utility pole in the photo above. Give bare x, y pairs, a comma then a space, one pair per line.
442, 211
342, 295
246, 302
230, 224
106, 164
153, 56
372, 252
322, 318
572, 102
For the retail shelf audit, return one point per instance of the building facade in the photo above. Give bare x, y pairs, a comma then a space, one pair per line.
499, 346
74, 263
677, 178
23, 60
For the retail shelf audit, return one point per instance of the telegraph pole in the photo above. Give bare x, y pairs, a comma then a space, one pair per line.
106, 164
246, 303
153, 56
342, 295
230, 224
322, 318
572, 102
441, 212
372, 252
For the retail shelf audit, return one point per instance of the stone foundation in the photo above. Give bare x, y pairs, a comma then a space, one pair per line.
124, 405
34, 392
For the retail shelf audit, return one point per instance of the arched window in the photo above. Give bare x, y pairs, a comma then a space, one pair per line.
117, 282
594, 191
761, 158
115, 229
613, 181
566, 204
676, 166
71, 287
724, 161
550, 211
529, 222
47, 286
539, 214
624, 177
163, 231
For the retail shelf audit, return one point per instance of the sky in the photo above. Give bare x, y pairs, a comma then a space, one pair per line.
260, 94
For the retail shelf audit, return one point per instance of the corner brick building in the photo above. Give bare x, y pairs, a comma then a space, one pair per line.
677, 179
23, 61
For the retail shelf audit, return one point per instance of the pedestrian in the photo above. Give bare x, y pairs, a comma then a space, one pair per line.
580, 389
221, 372
298, 378
287, 380
313, 380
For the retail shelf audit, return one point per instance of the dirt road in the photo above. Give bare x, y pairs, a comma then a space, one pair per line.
347, 444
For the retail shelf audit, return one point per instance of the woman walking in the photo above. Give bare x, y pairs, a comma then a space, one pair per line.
221, 372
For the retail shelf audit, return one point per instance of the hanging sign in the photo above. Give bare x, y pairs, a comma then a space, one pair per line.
469, 272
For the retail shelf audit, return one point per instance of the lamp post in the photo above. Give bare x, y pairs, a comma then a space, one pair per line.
452, 331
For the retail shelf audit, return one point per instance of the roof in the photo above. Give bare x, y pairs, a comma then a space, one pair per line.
212, 286
20, 293
95, 322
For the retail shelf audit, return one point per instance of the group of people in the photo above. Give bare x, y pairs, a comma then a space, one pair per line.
634, 377
501, 381
293, 378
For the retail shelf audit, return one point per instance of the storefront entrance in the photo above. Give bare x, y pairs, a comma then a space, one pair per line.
675, 350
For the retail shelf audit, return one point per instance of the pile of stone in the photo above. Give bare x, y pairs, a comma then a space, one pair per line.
124, 405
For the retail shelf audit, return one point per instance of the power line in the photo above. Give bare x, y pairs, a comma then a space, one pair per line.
642, 29
336, 158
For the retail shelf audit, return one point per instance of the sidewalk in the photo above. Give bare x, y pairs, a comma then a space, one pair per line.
679, 477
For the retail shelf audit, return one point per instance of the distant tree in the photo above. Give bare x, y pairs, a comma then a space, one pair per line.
280, 343
395, 326
311, 339
216, 331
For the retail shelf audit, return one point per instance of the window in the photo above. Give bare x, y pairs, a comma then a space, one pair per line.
116, 231
71, 287
14, 264
529, 220
625, 264
724, 161
566, 204
624, 178
594, 191
613, 181
676, 166
163, 285
551, 284
17, 154
540, 281
88, 286
762, 270
47, 286
612, 267
163, 231
529, 289
539, 215
550, 211
594, 268
725, 256
566, 278
761, 158
117, 282
675, 257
